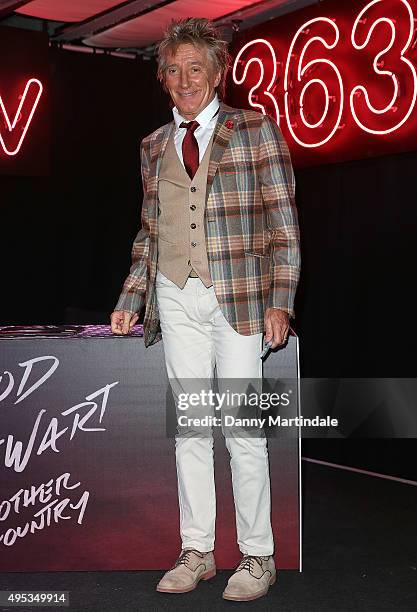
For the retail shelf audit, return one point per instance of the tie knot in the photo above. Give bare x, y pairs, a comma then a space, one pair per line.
190, 125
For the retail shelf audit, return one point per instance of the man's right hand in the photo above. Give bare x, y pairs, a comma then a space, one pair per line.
122, 321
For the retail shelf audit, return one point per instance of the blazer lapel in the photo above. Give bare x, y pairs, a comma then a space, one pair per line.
221, 137
157, 151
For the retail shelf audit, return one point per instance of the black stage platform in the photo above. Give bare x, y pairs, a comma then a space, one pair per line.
360, 554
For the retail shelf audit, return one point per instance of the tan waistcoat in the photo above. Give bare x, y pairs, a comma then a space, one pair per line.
181, 236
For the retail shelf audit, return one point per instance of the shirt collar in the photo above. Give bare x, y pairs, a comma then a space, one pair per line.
203, 118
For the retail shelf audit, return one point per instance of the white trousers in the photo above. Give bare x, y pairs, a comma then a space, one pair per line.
197, 339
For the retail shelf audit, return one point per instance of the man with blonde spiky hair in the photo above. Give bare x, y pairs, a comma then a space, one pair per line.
216, 264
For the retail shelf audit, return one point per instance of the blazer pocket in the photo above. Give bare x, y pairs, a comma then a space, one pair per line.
262, 255
261, 245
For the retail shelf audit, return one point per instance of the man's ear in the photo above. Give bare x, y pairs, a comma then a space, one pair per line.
217, 79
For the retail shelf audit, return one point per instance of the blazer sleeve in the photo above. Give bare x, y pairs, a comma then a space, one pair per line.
132, 297
277, 185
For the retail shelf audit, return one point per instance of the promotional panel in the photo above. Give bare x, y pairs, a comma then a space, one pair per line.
88, 477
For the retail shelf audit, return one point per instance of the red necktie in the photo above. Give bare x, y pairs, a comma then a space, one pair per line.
190, 153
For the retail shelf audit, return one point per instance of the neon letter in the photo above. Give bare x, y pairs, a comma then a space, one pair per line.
24, 113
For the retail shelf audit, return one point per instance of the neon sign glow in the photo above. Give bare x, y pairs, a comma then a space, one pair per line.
27, 106
338, 73
361, 89
302, 70
271, 81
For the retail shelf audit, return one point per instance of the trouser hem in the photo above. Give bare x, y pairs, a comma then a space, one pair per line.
203, 548
256, 552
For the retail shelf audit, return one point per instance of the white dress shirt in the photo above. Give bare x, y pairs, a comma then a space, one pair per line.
204, 131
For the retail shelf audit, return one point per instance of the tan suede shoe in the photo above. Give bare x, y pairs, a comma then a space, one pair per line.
252, 579
190, 567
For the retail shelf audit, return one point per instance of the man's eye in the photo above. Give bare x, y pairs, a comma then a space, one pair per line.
196, 69
171, 70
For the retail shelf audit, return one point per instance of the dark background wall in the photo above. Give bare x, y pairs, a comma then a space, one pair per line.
66, 238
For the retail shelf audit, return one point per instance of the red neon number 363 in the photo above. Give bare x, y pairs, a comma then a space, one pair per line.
314, 89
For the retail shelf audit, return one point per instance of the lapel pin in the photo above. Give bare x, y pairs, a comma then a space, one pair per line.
229, 124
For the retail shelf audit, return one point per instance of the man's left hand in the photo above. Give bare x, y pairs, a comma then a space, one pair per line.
277, 324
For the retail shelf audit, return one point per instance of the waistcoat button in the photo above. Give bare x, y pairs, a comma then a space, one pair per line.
193, 189
193, 244
192, 206
193, 226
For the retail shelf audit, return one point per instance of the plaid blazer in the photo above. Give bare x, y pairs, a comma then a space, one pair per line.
250, 223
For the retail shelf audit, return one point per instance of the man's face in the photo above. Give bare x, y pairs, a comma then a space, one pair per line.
190, 79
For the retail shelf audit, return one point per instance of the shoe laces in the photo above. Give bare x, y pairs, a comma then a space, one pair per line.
248, 563
185, 557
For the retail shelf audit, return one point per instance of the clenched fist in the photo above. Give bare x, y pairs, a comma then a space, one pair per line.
122, 321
